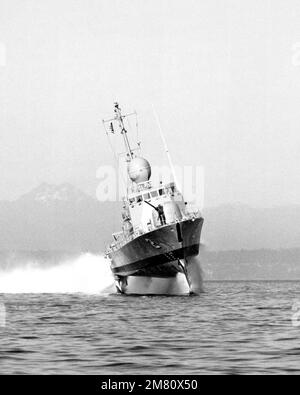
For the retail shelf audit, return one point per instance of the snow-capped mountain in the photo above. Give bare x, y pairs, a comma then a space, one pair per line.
47, 193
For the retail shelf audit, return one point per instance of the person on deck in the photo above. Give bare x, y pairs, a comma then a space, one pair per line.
161, 214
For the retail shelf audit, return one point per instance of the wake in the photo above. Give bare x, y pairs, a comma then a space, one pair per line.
86, 274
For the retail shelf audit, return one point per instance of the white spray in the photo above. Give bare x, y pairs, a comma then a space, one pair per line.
195, 275
88, 274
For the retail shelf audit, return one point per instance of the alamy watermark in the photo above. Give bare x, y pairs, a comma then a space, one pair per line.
2, 54
2, 315
189, 181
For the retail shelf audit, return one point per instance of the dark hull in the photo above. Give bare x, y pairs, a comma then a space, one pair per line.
157, 253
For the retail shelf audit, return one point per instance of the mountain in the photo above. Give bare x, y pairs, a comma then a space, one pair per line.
251, 265
47, 193
236, 227
56, 218
62, 217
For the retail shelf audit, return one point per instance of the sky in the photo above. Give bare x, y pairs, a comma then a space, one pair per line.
223, 76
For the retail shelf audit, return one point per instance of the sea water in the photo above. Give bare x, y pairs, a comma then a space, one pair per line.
66, 319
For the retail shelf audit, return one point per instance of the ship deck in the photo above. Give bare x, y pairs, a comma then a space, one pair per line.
156, 253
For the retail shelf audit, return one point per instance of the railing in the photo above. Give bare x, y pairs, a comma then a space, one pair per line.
190, 215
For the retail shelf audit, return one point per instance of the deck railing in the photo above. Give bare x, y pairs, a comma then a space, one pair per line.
139, 231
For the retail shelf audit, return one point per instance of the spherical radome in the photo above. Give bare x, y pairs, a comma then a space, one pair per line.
139, 170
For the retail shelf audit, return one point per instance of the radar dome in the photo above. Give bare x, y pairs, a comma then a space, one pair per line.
139, 170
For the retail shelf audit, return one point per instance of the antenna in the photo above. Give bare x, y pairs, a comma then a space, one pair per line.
119, 117
112, 129
166, 147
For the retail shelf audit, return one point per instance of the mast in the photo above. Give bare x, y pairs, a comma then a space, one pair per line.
119, 117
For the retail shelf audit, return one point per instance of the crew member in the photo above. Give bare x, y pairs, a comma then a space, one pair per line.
161, 214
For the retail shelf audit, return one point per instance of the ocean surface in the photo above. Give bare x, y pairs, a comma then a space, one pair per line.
232, 328
59, 314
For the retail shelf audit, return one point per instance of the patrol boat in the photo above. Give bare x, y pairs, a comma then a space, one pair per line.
155, 251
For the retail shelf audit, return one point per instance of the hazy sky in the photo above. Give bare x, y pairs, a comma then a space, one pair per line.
224, 76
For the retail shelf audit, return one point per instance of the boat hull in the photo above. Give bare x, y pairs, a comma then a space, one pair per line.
156, 255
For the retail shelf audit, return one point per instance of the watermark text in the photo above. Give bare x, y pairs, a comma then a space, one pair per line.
189, 180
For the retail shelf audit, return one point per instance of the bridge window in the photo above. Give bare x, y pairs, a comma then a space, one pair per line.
139, 198
132, 200
161, 192
154, 193
146, 196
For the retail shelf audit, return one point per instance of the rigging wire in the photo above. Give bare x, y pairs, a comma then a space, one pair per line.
138, 142
110, 143
137, 131
116, 157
